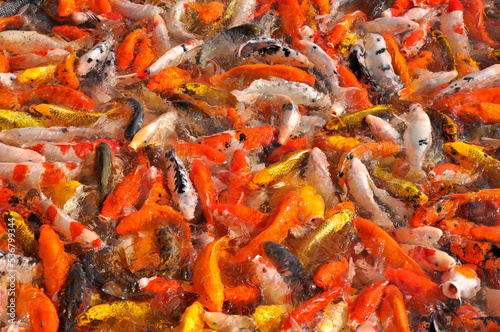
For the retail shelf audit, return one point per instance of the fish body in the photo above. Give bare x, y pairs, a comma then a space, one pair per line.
173, 57
461, 282
401, 187
103, 169
350, 121
179, 184
33, 304
62, 116
95, 57
136, 119
274, 289
486, 78
418, 137
300, 93
379, 64
156, 131
452, 25
289, 266
23, 234
13, 119
277, 171
74, 292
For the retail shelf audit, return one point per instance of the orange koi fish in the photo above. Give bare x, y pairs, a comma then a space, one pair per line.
292, 18
479, 113
66, 72
32, 303
251, 138
486, 233
239, 217
366, 303
309, 309
4, 64
130, 192
71, 32
145, 56
240, 176
457, 226
125, 52
474, 252
392, 311
474, 21
207, 153
238, 78
150, 217
329, 274
421, 61
56, 262
209, 12
284, 218
202, 180
342, 27
491, 95
169, 79
422, 290
383, 246
206, 275
66, 7
359, 100
58, 95
242, 295
399, 63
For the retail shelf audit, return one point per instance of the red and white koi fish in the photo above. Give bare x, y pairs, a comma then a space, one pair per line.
71, 152
30, 175
452, 25
429, 259
72, 230
273, 287
12, 154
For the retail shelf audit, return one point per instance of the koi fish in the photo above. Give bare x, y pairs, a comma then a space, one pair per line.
179, 184
461, 282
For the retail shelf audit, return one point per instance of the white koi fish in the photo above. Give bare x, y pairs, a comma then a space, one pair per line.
462, 282
417, 137
182, 189
379, 64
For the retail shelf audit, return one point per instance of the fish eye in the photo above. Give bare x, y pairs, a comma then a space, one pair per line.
145, 141
263, 185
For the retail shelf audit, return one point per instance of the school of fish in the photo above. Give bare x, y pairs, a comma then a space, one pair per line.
249, 165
